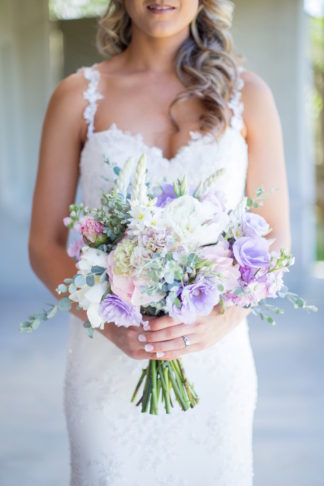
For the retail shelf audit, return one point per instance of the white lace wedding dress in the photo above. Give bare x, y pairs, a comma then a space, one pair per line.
111, 441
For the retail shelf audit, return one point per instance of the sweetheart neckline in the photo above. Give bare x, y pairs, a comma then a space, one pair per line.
195, 135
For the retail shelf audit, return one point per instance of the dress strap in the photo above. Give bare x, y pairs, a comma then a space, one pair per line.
236, 104
91, 94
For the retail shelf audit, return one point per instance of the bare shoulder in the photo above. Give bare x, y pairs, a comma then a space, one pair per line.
258, 100
67, 102
255, 86
69, 90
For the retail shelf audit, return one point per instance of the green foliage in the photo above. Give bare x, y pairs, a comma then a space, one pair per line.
33, 322
75, 9
89, 328
64, 304
115, 216
181, 187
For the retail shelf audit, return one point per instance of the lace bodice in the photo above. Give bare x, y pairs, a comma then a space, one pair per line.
106, 151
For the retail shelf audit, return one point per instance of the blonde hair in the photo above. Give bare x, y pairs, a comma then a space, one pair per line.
205, 63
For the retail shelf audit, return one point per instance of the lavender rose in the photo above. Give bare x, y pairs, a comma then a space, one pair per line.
167, 195
113, 309
197, 299
251, 252
254, 225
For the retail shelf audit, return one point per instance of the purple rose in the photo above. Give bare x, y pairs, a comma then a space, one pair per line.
251, 252
197, 299
254, 225
114, 309
247, 274
166, 196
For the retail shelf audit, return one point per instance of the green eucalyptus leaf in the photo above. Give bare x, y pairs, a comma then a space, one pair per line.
64, 304
61, 289
25, 326
79, 281
97, 270
52, 312
89, 328
35, 324
72, 288
90, 280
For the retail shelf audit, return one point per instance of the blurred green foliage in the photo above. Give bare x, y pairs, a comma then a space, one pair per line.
317, 59
75, 9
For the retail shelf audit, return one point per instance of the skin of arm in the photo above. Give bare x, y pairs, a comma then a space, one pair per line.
56, 184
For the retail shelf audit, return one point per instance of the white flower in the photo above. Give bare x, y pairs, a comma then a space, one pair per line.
89, 299
90, 257
193, 222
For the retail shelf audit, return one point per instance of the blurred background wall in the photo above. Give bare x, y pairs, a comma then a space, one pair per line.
41, 43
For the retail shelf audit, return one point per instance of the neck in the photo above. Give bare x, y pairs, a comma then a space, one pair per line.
146, 53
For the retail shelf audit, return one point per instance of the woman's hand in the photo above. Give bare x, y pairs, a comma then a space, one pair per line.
126, 339
163, 338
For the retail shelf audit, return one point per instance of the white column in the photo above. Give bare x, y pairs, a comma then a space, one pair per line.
24, 87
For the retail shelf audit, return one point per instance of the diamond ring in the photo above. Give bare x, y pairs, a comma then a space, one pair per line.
186, 340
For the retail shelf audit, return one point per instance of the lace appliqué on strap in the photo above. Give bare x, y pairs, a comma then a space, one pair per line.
92, 95
236, 104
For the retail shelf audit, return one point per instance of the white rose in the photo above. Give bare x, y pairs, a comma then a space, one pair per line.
192, 221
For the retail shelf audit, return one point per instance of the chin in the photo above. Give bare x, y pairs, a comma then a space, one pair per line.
160, 30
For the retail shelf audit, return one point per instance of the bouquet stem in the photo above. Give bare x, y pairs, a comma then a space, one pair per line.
163, 375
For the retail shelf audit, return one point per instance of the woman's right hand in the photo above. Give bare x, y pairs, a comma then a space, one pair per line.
126, 339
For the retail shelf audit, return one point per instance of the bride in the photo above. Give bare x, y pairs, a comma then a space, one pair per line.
171, 87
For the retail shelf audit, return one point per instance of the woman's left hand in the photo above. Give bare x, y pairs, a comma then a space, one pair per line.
164, 339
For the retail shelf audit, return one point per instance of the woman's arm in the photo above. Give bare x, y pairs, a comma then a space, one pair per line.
56, 184
266, 158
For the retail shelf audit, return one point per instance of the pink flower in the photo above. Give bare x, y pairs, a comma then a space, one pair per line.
128, 287
221, 257
121, 285
91, 229
67, 221
75, 248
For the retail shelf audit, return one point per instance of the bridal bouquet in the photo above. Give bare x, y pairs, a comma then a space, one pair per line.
171, 250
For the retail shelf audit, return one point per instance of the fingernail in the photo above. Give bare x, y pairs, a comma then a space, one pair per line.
159, 354
142, 338
148, 347
146, 325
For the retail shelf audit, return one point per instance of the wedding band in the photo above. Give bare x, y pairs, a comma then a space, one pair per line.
186, 340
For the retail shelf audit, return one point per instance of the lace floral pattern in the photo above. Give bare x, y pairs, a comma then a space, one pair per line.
111, 442
92, 95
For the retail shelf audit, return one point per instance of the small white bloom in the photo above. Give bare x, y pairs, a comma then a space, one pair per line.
94, 294
94, 316
90, 257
